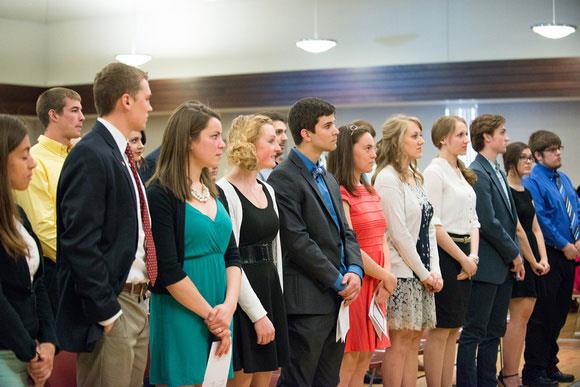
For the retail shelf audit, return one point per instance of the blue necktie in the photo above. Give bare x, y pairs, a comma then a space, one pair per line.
318, 173
574, 227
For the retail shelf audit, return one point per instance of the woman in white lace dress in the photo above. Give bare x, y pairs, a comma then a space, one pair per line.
412, 243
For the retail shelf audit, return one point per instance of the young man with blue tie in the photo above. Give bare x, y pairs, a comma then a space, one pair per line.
321, 257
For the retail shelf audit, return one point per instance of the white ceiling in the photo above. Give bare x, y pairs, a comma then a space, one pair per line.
48, 42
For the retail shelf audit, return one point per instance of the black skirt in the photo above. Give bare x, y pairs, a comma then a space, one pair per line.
452, 301
247, 353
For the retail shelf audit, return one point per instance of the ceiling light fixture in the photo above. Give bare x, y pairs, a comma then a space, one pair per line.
553, 30
315, 45
133, 58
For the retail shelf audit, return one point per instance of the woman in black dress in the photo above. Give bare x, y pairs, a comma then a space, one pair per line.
518, 162
260, 338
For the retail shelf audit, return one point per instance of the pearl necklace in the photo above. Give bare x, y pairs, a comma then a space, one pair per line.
202, 195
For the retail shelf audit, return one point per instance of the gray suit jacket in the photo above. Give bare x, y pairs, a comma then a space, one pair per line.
310, 240
497, 215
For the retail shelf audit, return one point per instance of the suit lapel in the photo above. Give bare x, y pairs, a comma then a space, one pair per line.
491, 172
310, 179
104, 133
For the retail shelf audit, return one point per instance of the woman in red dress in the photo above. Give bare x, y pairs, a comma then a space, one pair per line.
353, 157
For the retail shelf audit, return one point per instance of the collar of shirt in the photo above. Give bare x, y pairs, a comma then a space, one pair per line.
119, 138
493, 163
307, 162
549, 173
53, 146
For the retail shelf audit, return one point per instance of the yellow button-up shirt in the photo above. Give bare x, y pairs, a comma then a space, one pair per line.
39, 200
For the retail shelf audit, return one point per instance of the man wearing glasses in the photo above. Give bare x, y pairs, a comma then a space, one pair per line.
557, 209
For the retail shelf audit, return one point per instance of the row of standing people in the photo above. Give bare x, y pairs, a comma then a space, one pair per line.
305, 218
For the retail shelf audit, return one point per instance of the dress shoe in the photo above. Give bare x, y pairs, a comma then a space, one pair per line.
561, 377
539, 381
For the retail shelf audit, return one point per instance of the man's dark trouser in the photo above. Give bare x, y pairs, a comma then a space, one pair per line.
549, 316
484, 326
315, 356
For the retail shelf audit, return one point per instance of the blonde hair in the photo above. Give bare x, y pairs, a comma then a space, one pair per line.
242, 137
390, 147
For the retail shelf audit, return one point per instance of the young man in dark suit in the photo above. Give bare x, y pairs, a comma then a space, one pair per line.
499, 257
322, 261
106, 254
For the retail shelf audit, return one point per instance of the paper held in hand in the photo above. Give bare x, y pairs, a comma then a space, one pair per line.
342, 323
216, 373
378, 318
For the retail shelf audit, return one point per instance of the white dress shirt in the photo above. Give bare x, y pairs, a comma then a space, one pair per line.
452, 197
33, 257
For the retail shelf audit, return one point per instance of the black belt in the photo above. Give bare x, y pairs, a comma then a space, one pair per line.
256, 253
460, 238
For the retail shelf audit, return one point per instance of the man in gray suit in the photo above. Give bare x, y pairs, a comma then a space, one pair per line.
499, 254
322, 261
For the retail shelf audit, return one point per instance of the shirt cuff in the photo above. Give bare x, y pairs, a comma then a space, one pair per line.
338, 286
112, 319
356, 269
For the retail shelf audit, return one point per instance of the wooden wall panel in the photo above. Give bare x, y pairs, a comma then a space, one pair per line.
532, 78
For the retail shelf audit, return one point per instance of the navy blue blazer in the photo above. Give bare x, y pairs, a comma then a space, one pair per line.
26, 314
310, 241
497, 215
97, 234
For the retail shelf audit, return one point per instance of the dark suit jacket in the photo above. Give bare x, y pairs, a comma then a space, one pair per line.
26, 314
97, 233
498, 243
310, 240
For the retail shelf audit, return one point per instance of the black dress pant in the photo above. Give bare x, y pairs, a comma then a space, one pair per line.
315, 356
549, 316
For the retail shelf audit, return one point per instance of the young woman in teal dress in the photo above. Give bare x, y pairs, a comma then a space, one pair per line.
197, 287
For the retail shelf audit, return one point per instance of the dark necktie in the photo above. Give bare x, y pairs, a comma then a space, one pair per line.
150, 253
574, 227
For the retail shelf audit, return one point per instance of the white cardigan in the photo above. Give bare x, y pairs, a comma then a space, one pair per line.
248, 299
403, 213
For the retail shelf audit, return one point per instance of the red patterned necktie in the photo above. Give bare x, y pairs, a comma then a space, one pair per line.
150, 253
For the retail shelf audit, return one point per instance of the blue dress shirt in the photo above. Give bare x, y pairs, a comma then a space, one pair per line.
323, 189
549, 204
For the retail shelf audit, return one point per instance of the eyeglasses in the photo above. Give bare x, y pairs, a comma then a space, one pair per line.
527, 158
554, 149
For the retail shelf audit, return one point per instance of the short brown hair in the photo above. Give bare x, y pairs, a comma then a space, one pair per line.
484, 124
183, 127
53, 99
542, 139
340, 161
114, 80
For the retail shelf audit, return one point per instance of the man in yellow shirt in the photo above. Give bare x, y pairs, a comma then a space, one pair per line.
60, 112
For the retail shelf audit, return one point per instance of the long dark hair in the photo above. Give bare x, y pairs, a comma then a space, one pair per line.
340, 161
12, 132
183, 127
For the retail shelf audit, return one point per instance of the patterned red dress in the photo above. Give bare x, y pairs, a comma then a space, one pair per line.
370, 225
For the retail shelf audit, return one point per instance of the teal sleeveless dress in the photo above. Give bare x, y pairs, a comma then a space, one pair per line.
179, 339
